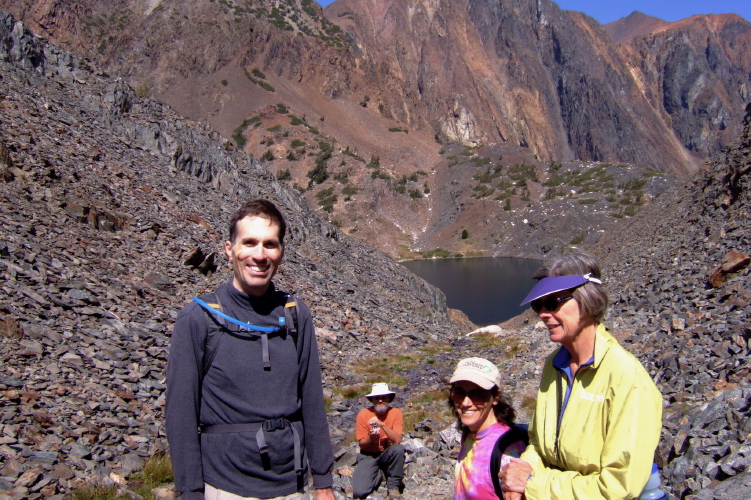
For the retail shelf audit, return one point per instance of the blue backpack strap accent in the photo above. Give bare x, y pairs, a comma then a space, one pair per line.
517, 432
220, 323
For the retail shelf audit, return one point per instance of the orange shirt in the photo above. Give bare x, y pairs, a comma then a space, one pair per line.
393, 419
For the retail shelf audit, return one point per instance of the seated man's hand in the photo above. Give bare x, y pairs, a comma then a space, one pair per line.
375, 430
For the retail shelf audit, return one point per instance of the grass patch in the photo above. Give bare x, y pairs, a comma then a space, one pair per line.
436, 396
156, 472
431, 405
355, 391
413, 416
436, 348
488, 340
386, 369
529, 403
440, 253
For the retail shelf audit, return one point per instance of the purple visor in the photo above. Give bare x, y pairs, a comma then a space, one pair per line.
553, 284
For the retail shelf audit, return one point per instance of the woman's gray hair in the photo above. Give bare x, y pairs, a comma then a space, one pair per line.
592, 297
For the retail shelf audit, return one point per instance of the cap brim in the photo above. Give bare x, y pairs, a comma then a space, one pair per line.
553, 284
472, 377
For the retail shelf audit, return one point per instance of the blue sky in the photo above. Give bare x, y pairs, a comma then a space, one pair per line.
607, 11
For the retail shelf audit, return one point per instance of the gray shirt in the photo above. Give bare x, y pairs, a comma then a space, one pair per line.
237, 389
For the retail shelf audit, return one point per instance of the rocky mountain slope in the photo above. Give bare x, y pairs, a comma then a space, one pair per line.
684, 69
113, 213
330, 91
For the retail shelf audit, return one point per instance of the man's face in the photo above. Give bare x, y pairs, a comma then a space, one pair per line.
255, 255
380, 403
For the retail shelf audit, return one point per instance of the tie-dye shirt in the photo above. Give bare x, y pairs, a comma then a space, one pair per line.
472, 476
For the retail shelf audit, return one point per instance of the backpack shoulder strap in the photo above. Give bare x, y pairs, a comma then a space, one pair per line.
514, 434
216, 326
290, 316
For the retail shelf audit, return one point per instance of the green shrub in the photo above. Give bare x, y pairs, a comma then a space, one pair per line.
281, 108
326, 199
275, 128
375, 162
482, 191
284, 175
634, 185
258, 73
465, 234
266, 86
267, 156
297, 143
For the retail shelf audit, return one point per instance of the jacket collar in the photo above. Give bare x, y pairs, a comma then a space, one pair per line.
603, 341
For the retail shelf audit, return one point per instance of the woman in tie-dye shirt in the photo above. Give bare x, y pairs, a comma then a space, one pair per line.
483, 416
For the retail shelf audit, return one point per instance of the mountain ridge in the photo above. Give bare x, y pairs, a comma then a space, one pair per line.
511, 77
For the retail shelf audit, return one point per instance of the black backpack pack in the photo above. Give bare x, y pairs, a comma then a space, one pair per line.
517, 432
219, 325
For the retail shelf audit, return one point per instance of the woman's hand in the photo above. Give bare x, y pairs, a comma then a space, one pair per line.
514, 477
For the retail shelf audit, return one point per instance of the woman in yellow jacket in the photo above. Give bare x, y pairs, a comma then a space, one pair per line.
598, 416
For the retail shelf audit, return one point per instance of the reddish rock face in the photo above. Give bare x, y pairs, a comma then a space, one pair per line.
732, 262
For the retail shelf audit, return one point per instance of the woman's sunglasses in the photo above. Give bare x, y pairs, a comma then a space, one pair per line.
551, 304
475, 395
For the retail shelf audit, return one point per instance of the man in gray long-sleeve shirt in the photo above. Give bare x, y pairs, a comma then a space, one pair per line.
258, 401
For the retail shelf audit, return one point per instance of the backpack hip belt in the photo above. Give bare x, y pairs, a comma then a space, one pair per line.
259, 428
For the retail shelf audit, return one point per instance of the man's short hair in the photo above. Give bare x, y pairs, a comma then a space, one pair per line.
258, 208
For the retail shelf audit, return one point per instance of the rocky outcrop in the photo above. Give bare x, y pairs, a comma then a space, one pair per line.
696, 77
520, 72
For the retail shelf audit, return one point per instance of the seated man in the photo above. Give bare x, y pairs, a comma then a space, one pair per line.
379, 432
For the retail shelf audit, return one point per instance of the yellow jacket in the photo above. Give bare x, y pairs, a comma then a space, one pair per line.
609, 431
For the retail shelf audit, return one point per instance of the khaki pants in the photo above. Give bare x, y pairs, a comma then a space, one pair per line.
211, 493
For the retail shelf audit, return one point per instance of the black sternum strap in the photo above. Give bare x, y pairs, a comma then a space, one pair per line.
265, 349
260, 428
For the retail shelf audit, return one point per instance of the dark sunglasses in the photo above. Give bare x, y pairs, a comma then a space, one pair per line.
475, 395
385, 397
551, 303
